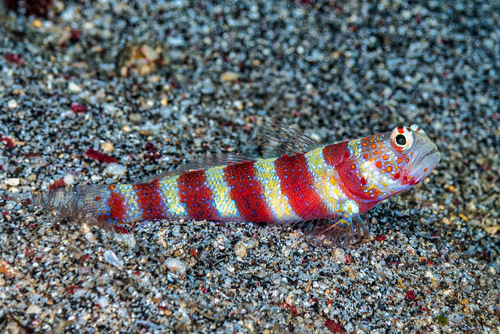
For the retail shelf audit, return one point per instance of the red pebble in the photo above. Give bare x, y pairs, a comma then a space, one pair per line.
72, 289
486, 256
120, 229
76, 34
30, 155
101, 157
306, 2
292, 308
162, 307
152, 152
28, 252
78, 108
15, 58
333, 326
381, 237
410, 295
84, 257
429, 262
353, 29
31, 7
58, 184
7, 140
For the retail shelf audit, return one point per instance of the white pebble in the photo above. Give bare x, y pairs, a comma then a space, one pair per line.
103, 302
111, 258
127, 239
33, 309
175, 41
90, 237
238, 105
69, 179
339, 255
79, 293
240, 250
315, 136
13, 182
115, 169
12, 104
109, 109
73, 87
108, 147
229, 76
175, 265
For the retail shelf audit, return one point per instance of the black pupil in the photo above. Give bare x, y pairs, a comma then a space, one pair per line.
401, 140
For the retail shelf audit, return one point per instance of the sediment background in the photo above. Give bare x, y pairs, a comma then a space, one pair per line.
154, 84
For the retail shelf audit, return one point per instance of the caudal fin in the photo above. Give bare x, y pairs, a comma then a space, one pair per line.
77, 203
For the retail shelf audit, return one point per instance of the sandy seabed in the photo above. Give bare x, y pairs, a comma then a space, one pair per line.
154, 84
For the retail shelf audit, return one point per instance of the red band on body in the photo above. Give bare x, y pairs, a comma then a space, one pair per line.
150, 200
117, 207
297, 184
247, 193
197, 196
351, 182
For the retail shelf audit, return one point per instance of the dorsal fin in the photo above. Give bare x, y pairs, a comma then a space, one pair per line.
202, 163
279, 139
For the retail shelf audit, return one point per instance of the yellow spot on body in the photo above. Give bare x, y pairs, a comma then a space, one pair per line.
170, 192
385, 157
127, 191
278, 203
326, 181
224, 204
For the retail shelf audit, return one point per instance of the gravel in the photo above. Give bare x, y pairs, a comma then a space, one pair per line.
154, 84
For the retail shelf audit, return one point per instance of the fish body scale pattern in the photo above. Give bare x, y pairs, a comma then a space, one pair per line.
323, 190
287, 189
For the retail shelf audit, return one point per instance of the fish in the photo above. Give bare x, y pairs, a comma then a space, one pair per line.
322, 189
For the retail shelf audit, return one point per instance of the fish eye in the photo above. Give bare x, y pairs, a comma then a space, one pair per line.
401, 138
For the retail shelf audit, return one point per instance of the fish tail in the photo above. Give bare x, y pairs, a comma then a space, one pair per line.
77, 203
118, 207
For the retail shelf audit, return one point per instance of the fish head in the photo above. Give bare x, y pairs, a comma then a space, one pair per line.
388, 163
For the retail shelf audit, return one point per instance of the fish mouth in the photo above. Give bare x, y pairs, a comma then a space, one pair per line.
425, 165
